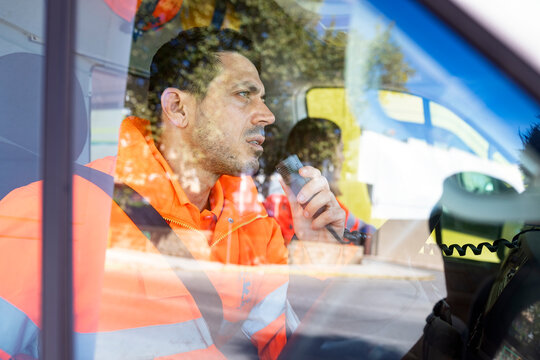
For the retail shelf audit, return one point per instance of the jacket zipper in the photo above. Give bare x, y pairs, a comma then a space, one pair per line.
221, 237
183, 224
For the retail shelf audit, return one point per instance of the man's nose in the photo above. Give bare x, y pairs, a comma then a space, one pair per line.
263, 115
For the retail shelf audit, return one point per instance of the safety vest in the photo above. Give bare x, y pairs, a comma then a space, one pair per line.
128, 300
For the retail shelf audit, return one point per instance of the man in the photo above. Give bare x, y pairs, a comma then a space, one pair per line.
189, 164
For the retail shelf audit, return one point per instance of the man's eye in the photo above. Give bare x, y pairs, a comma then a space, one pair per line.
243, 94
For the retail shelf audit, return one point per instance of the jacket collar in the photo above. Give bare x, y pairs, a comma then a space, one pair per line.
141, 166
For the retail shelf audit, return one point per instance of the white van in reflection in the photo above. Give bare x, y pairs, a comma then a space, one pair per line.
402, 148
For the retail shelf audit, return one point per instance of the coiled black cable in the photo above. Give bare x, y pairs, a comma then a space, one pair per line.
477, 250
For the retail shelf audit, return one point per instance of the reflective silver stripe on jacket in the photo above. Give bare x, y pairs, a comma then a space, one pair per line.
18, 333
144, 342
266, 311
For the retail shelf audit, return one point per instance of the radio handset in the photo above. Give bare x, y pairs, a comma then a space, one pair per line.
288, 169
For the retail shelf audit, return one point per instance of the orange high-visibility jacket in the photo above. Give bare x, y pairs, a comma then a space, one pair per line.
128, 301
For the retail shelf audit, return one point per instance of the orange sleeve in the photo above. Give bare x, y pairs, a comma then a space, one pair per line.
276, 251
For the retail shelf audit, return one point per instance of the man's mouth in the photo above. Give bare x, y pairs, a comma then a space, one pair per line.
256, 141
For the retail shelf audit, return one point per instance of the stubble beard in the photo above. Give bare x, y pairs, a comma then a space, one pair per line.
218, 157
217, 154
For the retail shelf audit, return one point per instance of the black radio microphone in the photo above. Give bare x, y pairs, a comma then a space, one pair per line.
288, 169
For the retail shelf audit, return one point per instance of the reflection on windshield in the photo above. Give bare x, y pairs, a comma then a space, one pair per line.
416, 198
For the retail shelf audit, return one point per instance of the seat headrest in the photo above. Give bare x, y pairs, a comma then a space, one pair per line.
21, 101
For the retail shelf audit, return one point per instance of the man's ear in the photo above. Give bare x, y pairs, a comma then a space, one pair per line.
174, 104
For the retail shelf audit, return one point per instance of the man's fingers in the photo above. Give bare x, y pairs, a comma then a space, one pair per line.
333, 216
312, 188
309, 171
321, 200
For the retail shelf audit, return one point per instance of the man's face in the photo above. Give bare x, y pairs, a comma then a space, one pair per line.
229, 121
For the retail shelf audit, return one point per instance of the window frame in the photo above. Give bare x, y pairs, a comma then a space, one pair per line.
56, 170
486, 43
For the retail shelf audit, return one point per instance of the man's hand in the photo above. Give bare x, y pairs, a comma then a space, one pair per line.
315, 195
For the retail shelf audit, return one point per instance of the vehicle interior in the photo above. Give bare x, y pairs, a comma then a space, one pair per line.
437, 111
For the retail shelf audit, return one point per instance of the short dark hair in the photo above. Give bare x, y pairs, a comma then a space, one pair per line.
531, 139
190, 61
531, 144
314, 140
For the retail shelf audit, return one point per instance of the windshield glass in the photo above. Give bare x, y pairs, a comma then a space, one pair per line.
264, 179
